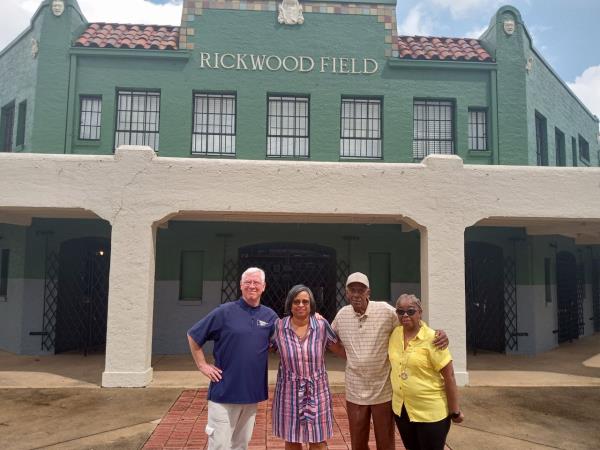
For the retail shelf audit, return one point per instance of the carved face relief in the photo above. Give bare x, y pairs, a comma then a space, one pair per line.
509, 26
58, 7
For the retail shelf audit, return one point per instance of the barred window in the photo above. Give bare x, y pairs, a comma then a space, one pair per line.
433, 128
559, 142
584, 150
360, 128
288, 126
478, 129
7, 121
90, 115
214, 124
22, 121
541, 140
138, 116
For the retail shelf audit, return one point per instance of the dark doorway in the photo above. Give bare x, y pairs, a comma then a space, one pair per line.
286, 265
596, 293
566, 288
82, 301
484, 286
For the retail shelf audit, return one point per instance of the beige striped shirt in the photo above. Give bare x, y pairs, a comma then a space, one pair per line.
366, 339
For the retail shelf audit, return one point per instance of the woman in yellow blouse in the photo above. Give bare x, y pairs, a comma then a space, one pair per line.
425, 397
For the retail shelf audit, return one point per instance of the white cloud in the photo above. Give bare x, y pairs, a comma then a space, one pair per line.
476, 32
16, 14
587, 88
416, 23
465, 8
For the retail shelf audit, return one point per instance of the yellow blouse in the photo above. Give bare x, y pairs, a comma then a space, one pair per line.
416, 379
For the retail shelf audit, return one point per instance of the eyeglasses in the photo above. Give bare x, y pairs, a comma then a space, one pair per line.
301, 302
408, 312
252, 283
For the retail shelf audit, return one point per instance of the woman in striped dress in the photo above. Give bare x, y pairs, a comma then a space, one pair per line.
302, 408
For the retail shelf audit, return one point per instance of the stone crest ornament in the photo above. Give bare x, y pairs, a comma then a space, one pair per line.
509, 26
35, 48
529, 65
290, 13
58, 7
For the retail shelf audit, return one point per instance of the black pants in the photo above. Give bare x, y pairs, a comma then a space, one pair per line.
422, 435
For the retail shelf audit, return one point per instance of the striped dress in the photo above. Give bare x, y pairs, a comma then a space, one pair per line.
302, 408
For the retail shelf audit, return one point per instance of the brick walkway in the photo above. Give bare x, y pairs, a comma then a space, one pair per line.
183, 426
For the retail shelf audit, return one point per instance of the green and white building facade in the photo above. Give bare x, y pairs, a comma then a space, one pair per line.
144, 167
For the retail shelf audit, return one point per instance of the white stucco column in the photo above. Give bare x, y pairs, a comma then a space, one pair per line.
130, 303
443, 288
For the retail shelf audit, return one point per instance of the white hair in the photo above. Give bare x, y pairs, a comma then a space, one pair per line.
250, 270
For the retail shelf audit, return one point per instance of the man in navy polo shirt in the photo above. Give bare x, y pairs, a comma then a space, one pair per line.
238, 379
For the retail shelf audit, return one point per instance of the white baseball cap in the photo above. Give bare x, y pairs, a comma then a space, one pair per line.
357, 277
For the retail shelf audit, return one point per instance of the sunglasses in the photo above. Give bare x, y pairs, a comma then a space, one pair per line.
408, 312
301, 302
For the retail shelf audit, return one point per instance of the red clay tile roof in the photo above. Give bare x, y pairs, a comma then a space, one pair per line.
442, 49
115, 35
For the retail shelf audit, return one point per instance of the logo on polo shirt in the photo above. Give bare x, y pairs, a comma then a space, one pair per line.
262, 323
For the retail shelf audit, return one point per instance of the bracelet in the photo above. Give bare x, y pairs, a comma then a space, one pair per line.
455, 415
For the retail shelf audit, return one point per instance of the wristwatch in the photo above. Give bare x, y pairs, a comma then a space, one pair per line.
455, 415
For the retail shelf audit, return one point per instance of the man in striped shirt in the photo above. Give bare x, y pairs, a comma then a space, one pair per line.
364, 327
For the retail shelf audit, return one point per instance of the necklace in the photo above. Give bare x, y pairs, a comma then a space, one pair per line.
296, 328
406, 356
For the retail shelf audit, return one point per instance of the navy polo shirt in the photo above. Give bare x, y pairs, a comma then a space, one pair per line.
241, 336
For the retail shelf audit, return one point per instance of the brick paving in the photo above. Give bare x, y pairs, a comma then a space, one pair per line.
183, 426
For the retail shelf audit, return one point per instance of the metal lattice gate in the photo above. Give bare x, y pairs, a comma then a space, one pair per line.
289, 264
342, 272
510, 304
596, 293
580, 298
229, 283
80, 306
484, 288
50, 302
567, 292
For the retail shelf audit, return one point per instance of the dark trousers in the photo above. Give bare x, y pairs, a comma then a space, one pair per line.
359, 418
422, 435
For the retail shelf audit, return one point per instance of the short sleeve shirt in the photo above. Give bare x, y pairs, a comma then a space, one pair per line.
422, 391
365, 338
241, 335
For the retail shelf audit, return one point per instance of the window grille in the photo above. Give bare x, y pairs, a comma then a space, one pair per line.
138, 116
214, 124
584, 150
288, 126
90, 115
361, 130
478, 129
433, 128
21, 123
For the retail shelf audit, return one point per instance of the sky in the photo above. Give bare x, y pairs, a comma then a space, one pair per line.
565, 32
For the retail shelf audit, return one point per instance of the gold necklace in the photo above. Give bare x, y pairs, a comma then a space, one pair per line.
406, 356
